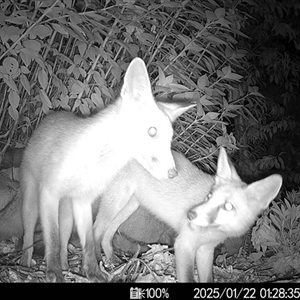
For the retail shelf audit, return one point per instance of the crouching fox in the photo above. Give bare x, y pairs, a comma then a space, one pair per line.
204, 210
71, 161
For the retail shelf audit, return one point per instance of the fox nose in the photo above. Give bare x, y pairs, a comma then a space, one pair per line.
172, 173
191, 214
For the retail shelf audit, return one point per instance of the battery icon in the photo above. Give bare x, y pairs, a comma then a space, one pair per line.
135, 293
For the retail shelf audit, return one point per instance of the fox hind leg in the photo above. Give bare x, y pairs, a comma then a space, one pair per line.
103, 218
29, 215
111, 203
131, 206
49, 206
66, 221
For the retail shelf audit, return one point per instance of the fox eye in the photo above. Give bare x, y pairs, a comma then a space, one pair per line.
209, 195
152, 131
228, 206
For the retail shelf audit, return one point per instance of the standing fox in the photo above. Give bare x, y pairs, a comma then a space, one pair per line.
71, 161
204, 210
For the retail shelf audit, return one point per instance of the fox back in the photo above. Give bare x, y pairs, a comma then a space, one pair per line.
193, 204
74, 159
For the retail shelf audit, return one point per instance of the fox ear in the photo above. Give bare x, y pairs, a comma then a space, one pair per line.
225, 168
265, 190
174, 109
136, 81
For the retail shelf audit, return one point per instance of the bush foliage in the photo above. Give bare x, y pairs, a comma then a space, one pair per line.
72, 55
54, 57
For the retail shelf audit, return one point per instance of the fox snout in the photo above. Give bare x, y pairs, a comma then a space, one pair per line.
172, 173
202, 218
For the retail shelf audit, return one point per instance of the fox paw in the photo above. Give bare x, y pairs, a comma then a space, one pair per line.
65, 265
94, 274
97, 276
54, 276
25, 259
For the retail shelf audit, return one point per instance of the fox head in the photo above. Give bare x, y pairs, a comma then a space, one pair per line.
232, 206
150, 125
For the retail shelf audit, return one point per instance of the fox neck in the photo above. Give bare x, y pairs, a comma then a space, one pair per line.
113, 135
100, 152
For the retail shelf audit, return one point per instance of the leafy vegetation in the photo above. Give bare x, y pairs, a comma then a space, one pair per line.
277, 235
273, 139
54, 57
